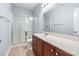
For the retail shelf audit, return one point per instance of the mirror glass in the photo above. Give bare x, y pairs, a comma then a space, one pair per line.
62, 18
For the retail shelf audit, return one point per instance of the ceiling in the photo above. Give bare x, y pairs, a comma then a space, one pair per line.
28, 6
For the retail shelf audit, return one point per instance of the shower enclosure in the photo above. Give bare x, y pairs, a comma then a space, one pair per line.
22, 29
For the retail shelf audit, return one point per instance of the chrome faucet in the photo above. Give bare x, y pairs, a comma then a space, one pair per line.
45, 33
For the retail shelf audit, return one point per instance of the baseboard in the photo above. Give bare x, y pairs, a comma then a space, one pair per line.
8, 51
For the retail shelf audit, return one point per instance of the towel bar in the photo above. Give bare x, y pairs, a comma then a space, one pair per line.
4, 18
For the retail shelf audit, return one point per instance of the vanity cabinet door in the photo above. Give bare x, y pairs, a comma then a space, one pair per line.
40, 47
35, 45
49, 50
58, 52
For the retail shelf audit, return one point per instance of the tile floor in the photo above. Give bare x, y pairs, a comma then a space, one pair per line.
21, 50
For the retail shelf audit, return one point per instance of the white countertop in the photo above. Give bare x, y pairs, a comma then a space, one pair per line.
67, 43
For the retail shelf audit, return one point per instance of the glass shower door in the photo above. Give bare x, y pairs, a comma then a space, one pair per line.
23, 28
18, 31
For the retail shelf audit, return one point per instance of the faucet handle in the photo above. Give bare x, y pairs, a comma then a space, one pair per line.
75, 31
46, 33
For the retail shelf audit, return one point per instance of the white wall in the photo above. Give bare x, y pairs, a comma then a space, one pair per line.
38, 13
19, 12
5, 28
46, 24
76, 22
62, 15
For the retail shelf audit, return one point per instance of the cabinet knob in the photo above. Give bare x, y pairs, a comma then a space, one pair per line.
52, 50
56, 54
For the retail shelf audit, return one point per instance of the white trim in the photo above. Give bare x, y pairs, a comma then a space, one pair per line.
8, 51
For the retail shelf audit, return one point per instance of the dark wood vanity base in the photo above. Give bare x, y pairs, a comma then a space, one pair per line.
42, 48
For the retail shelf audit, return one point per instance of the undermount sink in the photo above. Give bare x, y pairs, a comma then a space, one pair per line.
52, 37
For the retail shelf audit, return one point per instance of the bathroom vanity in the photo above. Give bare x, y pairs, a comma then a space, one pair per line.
54, 45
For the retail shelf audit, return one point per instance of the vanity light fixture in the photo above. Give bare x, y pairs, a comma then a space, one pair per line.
44, 5
47, 6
